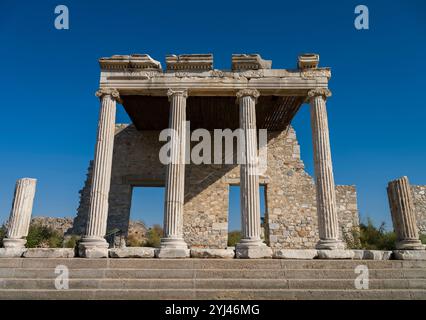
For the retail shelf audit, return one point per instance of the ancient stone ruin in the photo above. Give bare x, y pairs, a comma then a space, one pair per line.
304, 218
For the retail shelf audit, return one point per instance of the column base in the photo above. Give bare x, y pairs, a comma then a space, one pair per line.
173, 248
93, 247
410, 245
252, 249
330, 245
14, 243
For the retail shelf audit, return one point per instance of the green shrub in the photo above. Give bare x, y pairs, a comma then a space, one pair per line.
71, 242
42, 236
374, 238
423, 238
154, 235
233, 238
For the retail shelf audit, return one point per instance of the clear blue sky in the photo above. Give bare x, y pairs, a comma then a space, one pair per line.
48, 78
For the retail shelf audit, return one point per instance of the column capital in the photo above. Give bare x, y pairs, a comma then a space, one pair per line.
248, 92
324, 92
177, 92
110, 92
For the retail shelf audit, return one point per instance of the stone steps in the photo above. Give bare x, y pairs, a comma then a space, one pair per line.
81, 263
32, 278
48, 273
208, 294
81, 284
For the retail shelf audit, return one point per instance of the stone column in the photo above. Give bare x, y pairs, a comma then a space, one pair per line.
328, 224
173, 244
251, 244
20, 216
93, 243
403, 216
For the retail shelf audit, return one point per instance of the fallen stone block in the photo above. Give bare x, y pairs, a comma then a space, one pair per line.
253, 252
132, 252
303, 254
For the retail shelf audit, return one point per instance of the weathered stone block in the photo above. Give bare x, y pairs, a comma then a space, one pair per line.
132, 252
253, 252
295, 254
93, 253
377, 255
358, 254
172, 253
410, 254
212, 253
50, 253
335, 254
12, 252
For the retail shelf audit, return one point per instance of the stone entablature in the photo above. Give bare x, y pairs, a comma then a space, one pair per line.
141, 75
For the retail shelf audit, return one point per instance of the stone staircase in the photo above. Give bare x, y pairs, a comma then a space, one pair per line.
32, 278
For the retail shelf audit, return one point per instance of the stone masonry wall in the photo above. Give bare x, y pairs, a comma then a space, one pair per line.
419, 196
290, 218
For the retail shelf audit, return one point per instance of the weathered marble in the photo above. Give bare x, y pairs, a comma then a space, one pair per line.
49, 253
328, 225
251, 244
132, 252
98, 209
212, 253
409, 254
175, 179
297, 254
335, 254
20, 215
12, 252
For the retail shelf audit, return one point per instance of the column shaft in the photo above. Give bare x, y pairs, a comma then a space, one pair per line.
98, 210
20, 215
328, 224
403, 216
175, 179
251, 244
249, 188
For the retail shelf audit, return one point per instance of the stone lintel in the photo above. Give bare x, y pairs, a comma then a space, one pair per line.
193, 62
308, 61
127, 62
249, 62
